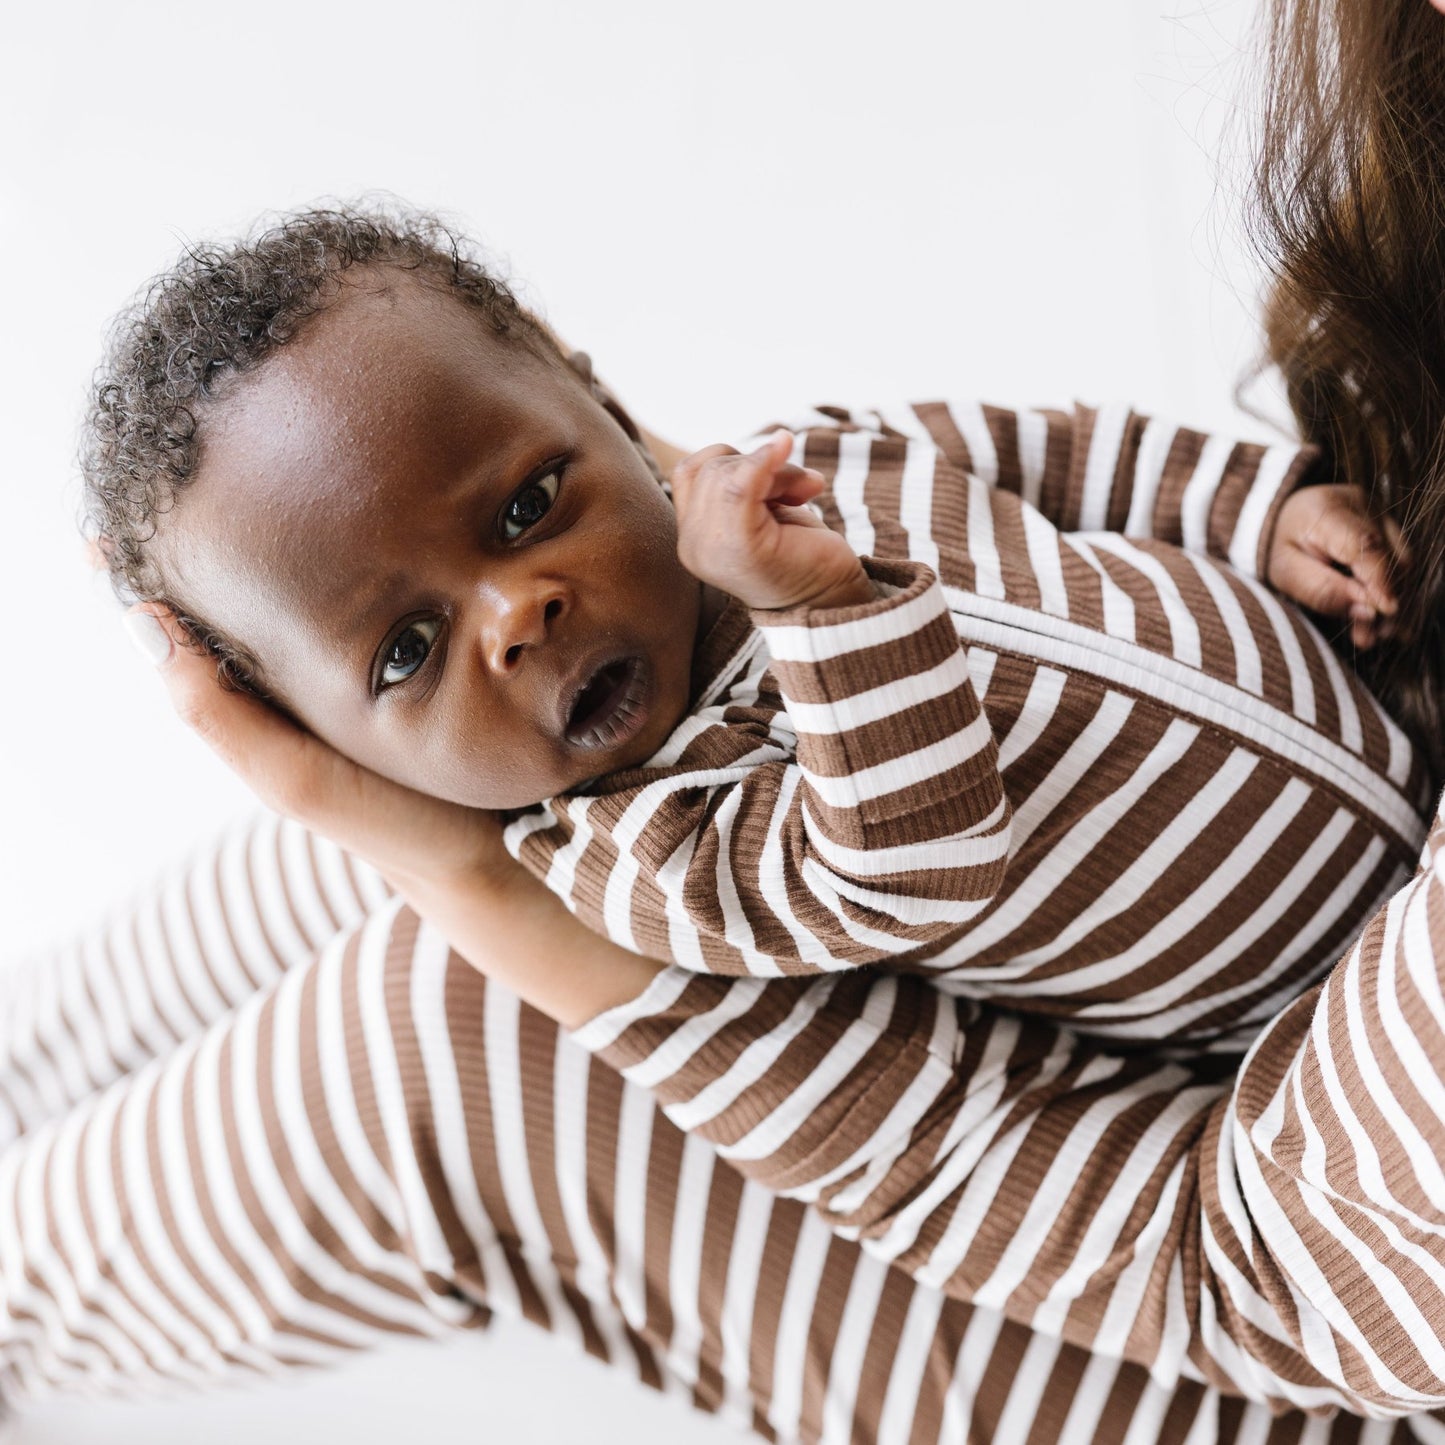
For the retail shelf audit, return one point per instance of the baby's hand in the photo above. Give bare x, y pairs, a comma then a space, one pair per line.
1332, 557
743, 524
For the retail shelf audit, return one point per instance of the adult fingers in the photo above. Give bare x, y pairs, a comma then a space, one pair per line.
289, 769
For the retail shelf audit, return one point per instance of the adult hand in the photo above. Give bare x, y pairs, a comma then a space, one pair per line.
409, 838
447, 861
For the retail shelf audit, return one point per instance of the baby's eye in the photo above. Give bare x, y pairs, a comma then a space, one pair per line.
408, 650
530, 505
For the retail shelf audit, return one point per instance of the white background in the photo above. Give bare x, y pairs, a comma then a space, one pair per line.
736, 208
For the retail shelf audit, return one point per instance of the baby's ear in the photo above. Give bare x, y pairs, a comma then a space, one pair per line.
581, 364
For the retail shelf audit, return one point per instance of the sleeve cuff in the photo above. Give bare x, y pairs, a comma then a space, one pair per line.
601, 1033
909, 600
1283, 471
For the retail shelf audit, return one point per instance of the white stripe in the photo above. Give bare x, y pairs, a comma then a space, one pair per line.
1248, 664
744, 1269
850, 1349
1184, 636
1201, 492
1037, 713
975, 1355
690, 1221
863, 785
982, 549
906, 1373
591, 1270
1274, 465
722, 1091
164, 960
1302, 687
632, 1211
888, 699
793, 1338
504, 1085
1116, 604
1043, 543
1187, 824
854, 462
607, 1027
1105, 444
972, 424
1033, 439
772, 877
984, 843
1154, 444
429, 966
915, 502
294, 862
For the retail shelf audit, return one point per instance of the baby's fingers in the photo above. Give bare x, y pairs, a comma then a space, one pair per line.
1314, 583
1351, 539
1321, 588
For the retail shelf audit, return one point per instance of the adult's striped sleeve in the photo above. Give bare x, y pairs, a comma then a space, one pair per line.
1284, 1240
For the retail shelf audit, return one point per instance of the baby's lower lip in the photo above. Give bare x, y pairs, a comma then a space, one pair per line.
612, 707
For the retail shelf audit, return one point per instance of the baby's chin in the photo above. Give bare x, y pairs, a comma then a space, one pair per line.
503, 795
508, 793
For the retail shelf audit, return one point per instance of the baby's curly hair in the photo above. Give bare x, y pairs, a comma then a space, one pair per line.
218, 313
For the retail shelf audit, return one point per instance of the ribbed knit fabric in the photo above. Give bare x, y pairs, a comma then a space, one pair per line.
372, 1140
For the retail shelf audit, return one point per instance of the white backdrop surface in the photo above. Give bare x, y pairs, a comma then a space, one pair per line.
736, 209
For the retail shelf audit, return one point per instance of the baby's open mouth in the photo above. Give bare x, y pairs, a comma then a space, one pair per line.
611, 705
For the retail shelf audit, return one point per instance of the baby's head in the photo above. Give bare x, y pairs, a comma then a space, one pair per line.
368, 481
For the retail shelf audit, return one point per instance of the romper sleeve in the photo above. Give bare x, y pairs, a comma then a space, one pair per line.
878, 830
1109, 469
1280, 1235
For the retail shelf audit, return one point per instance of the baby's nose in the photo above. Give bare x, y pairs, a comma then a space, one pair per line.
524, 624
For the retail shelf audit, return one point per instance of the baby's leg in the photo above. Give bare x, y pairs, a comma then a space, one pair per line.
76, 1018
380, 1142
253, 1200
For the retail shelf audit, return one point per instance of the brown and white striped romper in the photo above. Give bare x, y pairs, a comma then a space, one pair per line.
378, 1141
228, 1153
1060, 764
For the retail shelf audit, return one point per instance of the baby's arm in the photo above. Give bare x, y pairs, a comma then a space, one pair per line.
1259, 508
1108, 469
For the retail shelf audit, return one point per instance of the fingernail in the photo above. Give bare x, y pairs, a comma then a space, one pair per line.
152, 641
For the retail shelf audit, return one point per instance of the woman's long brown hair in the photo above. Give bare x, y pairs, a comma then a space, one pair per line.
1349, 215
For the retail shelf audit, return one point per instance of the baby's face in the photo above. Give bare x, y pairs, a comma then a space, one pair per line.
449, 561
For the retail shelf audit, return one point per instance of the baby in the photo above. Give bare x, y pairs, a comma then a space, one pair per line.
1104, 779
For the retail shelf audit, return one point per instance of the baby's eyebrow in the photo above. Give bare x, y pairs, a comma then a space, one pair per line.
370, 613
